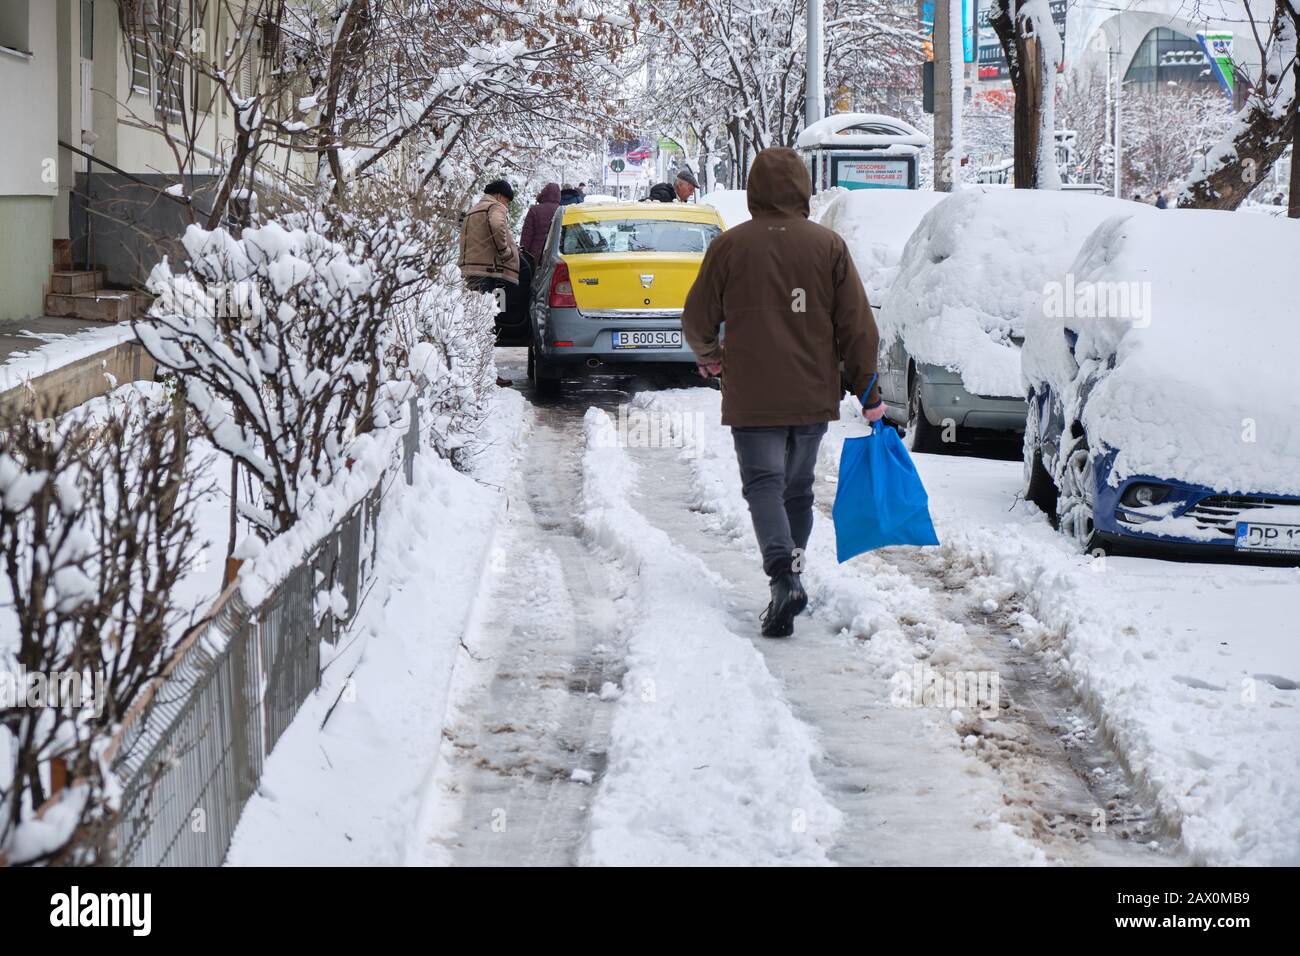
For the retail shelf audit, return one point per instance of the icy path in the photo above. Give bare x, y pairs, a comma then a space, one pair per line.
909, 793
620, 707
527, 736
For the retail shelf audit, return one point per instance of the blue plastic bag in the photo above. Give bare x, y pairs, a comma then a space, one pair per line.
880, 499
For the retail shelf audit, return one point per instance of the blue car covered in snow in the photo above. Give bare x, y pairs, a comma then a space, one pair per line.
1162, 415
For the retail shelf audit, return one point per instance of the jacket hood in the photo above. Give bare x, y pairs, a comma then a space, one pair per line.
778, 184
550, 193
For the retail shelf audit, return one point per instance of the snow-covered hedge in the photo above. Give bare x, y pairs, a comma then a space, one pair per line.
281, 339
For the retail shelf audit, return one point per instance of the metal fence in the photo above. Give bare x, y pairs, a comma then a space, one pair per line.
192, 756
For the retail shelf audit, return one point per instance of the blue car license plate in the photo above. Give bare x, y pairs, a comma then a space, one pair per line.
1268, 538
648, 339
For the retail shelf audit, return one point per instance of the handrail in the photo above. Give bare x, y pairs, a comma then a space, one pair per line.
183, 200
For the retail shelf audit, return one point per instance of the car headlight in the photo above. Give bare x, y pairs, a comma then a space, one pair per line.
1144, 495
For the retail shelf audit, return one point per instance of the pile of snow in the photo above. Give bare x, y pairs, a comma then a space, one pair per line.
1200, 387
876, 224
731, 204
601, 197
347, 782
975, 270
707, 763
52, 350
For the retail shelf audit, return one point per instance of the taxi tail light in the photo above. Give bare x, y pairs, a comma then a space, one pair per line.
562, 288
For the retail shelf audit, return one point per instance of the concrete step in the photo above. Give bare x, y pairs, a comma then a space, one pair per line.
109, 305
140, 302
71, 281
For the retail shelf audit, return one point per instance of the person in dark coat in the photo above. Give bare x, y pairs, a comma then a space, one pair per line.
569, 195
537, 224
661, 192
780, 367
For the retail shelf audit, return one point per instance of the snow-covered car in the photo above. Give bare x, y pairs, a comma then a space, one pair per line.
611, 286
953, 319
1162, 408
732, 205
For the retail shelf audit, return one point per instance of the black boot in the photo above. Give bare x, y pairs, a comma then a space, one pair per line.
788, 600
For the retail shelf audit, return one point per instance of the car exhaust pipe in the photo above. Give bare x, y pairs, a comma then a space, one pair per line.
593, 363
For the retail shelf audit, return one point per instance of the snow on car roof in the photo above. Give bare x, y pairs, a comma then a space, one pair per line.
974, 271
876, 224
1205, 353
732, 205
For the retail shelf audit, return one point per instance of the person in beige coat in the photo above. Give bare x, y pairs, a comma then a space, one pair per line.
489, 255
487, 248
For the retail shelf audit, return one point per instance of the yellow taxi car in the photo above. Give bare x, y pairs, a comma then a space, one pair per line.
610, 288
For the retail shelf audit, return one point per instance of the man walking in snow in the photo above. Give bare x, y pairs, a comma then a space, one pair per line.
795, 308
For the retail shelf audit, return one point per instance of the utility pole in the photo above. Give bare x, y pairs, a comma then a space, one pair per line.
943, 105
814, 82
1119, 107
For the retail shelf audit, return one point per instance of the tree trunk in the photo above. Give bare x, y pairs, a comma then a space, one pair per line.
1293, 207
1258, 146
1023, 63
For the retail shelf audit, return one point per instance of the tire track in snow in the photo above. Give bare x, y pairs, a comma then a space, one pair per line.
530, 731
1055, 772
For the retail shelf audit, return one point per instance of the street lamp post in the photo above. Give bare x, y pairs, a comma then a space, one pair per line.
814, 87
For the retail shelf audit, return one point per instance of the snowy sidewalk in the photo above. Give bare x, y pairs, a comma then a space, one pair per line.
350, 792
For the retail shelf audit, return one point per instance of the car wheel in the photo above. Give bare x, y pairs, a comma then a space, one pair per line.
921, 435
1076, 502
1039, 487
546, 378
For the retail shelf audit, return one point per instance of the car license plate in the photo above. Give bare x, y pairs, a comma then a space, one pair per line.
1271, 538
649, 339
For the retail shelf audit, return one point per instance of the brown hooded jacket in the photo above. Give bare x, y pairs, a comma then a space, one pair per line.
793, 304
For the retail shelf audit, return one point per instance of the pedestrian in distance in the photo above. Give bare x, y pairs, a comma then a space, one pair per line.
794, 309
681, 189
1161, 202
537, 223
569, 195
489, 256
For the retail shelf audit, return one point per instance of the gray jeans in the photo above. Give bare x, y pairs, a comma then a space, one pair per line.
776, 473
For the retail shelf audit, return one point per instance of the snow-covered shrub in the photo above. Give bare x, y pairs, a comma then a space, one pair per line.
449, 336
280, 338
96, 529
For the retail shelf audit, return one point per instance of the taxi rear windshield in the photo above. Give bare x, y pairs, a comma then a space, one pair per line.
636, 235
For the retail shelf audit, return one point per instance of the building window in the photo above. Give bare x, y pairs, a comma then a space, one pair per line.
13, 25
1166, 56
157, 55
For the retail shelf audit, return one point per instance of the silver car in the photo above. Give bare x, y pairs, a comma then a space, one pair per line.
934, 406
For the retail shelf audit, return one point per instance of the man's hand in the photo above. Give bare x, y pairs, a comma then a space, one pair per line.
874, 413
709, 369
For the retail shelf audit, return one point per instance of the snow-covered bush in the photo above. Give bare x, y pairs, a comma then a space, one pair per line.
96, 529
280, 338
448, 335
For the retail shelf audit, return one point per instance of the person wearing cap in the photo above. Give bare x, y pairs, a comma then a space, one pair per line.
489, 255
685, 185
